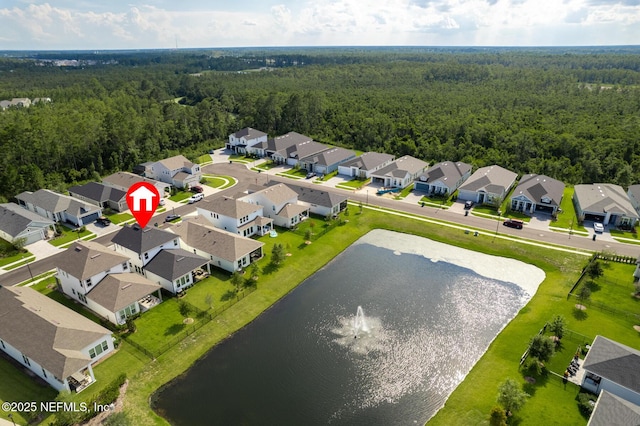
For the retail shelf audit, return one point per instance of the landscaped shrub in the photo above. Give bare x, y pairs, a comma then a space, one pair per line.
586, 401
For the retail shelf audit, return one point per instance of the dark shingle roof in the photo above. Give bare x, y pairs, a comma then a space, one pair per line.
249, 133
615, 362
175, 263
84, 259
141, 240
317, 196
535, 187
98, 192
46, 331
369, 160
330, 156
117, 291
611, 410
56, 203
448, 172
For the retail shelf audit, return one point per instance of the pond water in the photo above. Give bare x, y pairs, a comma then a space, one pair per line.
427, 322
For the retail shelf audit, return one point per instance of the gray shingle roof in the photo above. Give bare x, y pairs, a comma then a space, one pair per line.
249, 133
303, 149
229, 207
98, 192
318, 197
330, 156
604, 197
280, 144
84, 259
117, 291
176, 162
448, 172
278, 193
290, 210
56, 203
126, 179
46, 331
615, 362
611, 410
175, 263
493, 179
535, 187
141, 240
401, 167
369, 160
198, 233
15, 219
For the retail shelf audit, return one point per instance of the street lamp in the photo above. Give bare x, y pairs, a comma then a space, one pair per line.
11, 418
367, 197
497, 225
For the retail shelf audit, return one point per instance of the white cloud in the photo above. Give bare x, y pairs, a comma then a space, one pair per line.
320, 22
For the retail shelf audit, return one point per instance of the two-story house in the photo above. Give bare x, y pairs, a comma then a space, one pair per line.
141, 245
100, 279
235, 216
243, 140
177, 171
279, 203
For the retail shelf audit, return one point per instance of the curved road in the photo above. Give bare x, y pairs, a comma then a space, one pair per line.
247, 177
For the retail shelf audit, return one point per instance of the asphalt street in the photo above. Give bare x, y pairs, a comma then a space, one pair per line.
248, 177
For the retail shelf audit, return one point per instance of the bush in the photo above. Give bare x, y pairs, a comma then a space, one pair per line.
498, 417
585, 403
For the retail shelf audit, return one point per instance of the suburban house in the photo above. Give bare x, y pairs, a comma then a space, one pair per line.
242, 140
606, 203
100, 195
443, 178
17, 223
611, 410
361, 167
235, 216
279, 203
288, 149
488, 185
101, 280
326, 161
140, 246
399, 173
58, 207
537, 193
53, 342
124, 180
175, 270
634, 197
176, 171
17, 102
320, 202
223, 249
613, 367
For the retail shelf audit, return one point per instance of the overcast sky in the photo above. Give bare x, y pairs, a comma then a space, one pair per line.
119, 24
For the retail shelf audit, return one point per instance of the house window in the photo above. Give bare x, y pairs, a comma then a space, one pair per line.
124, 265
101, 347
26, 360
73, 291
82, 298
44, 373
175, 242
2, 344
146, 256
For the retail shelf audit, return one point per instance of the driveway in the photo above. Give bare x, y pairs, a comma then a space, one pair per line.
540, 221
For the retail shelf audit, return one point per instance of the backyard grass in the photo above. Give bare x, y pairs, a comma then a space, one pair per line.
68, 236
615, 288
567, 218
217, 285
469, 403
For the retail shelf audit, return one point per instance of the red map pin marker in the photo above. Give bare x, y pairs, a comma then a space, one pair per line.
142, 199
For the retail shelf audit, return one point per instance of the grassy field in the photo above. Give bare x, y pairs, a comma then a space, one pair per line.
470, 402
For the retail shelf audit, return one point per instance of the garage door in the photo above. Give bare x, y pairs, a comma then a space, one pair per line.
90, 218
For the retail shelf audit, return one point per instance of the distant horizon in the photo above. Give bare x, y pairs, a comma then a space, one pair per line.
193, 24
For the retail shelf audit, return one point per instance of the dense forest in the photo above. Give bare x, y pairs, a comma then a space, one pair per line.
571, 114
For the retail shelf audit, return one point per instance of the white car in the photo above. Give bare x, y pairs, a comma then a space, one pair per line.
598, 227
195, 198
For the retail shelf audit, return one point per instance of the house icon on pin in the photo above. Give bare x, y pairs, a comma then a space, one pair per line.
145, 194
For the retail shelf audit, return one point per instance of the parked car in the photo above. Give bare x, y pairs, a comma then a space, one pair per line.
103, 220
468, 205
197, 189
310, 175
172, 217
513, 223
195, 198
162, 202
598, 227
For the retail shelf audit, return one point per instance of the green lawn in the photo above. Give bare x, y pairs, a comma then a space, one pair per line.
19, 264
440, 201
181, 196
567, 217
493, 211
266, 166
68, 236
294, 173
203, 159
215, 182
615, 288
7, 247
218, 285
403, 194
624, 234
353, 184
470, 402
120, 217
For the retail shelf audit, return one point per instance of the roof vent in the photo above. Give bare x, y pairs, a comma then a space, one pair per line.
126, 286
179, 259
78, 248
95, 255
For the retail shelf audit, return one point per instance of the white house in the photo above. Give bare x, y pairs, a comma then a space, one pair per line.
55, 343
443, 178
177, 171
17, 223
235, 216
326, 161
175, 269
399, 173
606, 203
141, 245
537, 193
611, 410
222, 249
613, 367
242, 140
319, 201
100, 279
363, 166
58, 207
279, 203
488, 185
